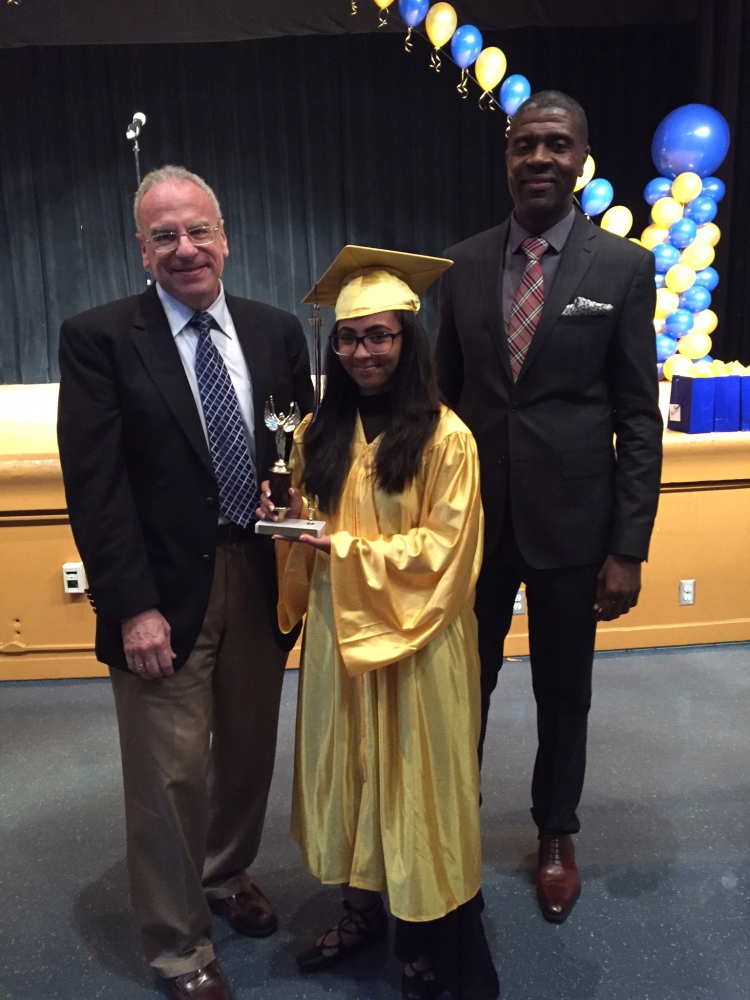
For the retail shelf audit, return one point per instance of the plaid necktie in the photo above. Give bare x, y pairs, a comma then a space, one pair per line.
527, 305
238, 491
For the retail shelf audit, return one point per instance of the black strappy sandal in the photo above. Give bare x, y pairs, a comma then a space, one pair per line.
369, 925
420, 985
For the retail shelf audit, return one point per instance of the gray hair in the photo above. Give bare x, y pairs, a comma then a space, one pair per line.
170, 173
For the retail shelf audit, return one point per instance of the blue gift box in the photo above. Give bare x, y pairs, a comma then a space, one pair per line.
727, 403
691, 404
745, 402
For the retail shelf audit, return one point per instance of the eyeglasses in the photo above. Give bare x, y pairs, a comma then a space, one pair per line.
346, 344
199, 236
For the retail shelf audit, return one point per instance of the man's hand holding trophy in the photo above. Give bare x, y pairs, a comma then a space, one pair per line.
281, 504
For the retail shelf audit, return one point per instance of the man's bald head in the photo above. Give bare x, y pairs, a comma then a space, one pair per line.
554, 100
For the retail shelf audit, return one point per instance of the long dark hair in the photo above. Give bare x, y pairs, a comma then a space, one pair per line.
411, 420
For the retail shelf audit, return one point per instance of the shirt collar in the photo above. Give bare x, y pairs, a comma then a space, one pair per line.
179, 315
556, 235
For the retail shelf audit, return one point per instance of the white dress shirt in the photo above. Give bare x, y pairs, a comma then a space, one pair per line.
228, 346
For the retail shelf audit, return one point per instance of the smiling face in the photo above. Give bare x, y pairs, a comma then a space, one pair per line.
373, 373
189, 274
545, 157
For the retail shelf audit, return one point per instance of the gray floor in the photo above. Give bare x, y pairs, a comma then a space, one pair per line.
664, 852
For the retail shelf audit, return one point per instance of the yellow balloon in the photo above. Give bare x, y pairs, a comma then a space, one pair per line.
666, 303
679, 278
383, 3
589, 168
490, 67
652, 236
703, 368
440, 23
698, 256
694, 345
617, 220
632, 239
677, 365
717, 367
705, 322
665, 212
709, 234
686, 186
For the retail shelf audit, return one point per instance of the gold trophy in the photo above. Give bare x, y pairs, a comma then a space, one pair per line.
280, 479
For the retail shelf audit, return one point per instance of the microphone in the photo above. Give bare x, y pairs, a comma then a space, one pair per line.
134, 128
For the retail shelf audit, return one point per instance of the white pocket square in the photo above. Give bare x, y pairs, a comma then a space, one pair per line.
586, 307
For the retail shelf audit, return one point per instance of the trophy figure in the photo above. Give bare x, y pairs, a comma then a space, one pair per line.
280, 480
281, 474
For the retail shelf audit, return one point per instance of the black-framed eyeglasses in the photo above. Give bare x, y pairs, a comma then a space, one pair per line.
167, 240
379, 342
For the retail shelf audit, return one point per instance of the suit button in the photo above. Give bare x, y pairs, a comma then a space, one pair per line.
210, 501
513, 407
206, 557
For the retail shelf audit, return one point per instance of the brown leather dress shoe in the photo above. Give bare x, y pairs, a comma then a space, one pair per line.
248, 912
558, 884
203, 984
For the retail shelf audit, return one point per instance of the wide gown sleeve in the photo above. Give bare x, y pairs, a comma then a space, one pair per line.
393, 595
294, 561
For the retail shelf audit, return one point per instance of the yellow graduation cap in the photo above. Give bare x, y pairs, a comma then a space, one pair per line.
365, 280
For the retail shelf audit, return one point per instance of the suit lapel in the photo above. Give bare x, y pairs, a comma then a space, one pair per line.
257, 356
491, 275
154, 342
577, 257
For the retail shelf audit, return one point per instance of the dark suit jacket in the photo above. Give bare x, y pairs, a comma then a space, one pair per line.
548, 438
140, 487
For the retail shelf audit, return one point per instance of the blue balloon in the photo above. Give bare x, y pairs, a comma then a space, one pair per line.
708, 278
466, 45
701, 210
695, 299
515, 90
660, 371
659, 187
413, 12
714, 188
597, 196
706, 357
660, 279
665, 346
682, 233
678, 323
694, 137
666, 256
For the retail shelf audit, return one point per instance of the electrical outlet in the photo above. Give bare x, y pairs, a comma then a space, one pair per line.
687, 591
519, 605
74, 578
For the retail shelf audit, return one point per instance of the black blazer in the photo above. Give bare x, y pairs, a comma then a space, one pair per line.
140, 487
586, 380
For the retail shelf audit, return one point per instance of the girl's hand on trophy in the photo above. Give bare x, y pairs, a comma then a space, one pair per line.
266, 511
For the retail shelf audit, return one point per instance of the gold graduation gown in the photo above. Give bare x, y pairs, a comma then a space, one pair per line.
386, 782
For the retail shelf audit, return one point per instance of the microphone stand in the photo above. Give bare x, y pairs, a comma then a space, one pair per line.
134, 130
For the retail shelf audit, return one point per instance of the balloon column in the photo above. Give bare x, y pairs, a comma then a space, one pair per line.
688, 146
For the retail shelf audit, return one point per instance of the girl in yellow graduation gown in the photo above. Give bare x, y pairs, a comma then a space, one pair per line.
386, 784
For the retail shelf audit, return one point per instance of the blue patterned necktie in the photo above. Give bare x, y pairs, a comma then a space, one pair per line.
238, 491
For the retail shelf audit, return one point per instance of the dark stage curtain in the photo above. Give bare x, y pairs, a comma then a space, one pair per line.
309, 142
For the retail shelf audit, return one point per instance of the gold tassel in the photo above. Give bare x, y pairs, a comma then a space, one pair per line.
354, 7
463, 87
486, 101
383, 21
408, 44
507, 127
435, 61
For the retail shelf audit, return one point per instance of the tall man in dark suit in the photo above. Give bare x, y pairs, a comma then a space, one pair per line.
162, 444
546, 347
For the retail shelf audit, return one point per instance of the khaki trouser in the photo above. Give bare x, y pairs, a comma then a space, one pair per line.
198, 751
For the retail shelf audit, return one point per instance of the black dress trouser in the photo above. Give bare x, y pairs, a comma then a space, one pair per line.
562, 630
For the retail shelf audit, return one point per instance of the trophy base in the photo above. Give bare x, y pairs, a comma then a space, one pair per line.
291, 527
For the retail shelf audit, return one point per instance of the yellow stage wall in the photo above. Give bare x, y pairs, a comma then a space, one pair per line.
702, 532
